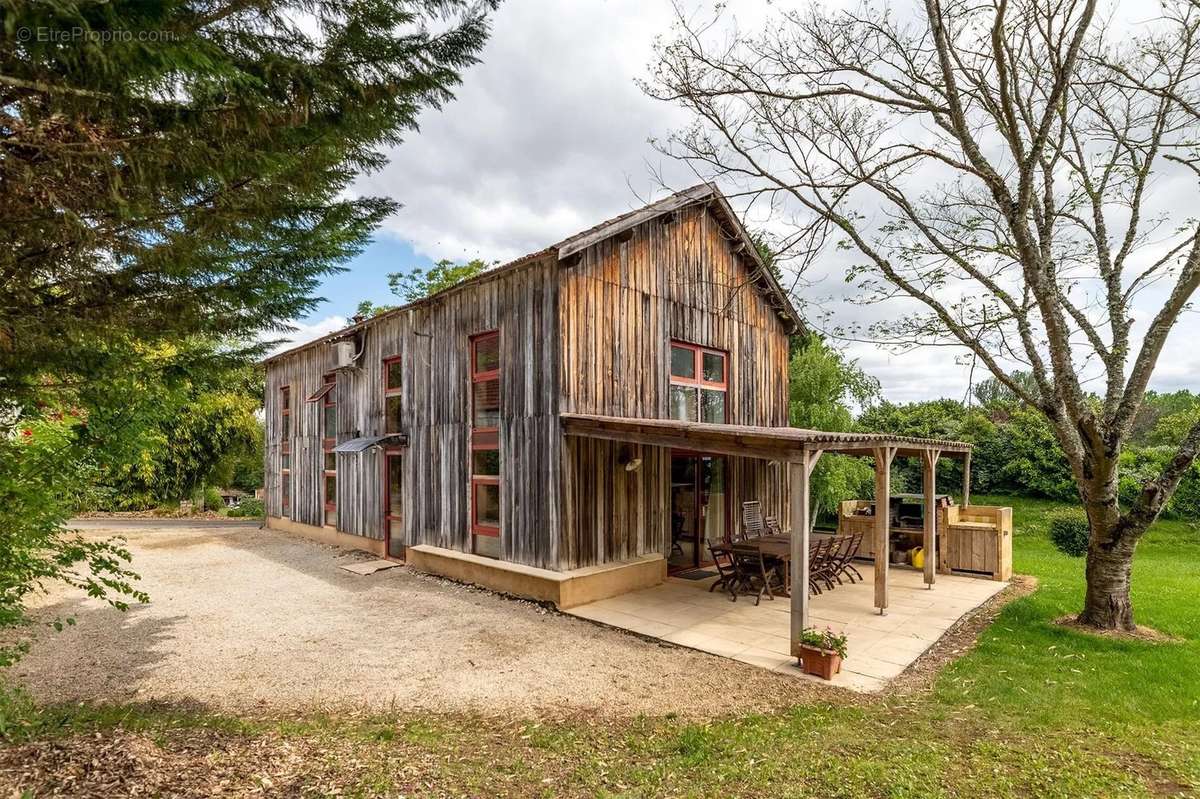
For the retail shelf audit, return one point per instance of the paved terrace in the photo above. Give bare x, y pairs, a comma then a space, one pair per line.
683, 612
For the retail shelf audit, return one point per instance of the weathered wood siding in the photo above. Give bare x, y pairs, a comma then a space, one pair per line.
620, 306
590, 337
432, 340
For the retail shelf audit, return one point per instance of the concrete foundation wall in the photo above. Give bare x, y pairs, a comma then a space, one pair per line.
327, 535
565, 589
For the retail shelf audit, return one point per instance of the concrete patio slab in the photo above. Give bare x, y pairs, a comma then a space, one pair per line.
684, 612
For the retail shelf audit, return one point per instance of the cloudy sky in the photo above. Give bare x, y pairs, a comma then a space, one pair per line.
548, 135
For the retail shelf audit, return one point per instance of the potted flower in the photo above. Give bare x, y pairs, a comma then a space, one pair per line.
822, 652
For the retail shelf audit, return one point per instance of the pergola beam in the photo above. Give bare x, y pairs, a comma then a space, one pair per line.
883, 494
800, 475
966, 491
929, 460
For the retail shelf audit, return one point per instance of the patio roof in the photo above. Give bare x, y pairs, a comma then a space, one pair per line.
772, 443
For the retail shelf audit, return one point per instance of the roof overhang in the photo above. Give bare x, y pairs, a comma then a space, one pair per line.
769, 443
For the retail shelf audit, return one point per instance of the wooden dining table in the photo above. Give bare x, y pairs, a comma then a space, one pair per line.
777, 547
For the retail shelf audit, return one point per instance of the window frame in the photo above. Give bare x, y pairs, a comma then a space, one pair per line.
328, 399
285, 451
698, 382
483, 438
391, 392
285, 413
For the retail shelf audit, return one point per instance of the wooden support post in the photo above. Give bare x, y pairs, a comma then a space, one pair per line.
799, 475
883, 494
929, 459
966, 497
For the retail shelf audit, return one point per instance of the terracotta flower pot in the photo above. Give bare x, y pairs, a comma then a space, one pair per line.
824, 663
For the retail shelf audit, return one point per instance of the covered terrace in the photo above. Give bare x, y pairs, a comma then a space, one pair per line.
799, 450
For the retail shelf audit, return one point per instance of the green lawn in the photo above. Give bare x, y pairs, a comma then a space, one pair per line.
1034, 710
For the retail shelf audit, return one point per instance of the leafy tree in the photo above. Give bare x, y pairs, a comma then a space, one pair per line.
171, 171
992, 164
991, 392
47, 468
822, 385
419, 282
180, 168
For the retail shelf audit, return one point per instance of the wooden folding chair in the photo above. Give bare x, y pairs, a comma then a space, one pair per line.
723, 560
754, 576
846, 554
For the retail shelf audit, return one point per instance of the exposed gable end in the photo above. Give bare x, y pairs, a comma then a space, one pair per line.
707, 196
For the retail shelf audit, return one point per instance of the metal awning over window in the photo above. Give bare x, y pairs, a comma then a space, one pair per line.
366, 442
321, 392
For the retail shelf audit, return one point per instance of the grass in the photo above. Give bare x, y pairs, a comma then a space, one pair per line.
1034, 709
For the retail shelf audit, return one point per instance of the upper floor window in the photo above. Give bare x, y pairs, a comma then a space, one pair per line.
485, 381
391, 395
699, 381
285, 413
328, 408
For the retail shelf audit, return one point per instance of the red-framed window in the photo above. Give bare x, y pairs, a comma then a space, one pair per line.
699, 383
393, 381
328, 398
285, 451
285, 414
485, 443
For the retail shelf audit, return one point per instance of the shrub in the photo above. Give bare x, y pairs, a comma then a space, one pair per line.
212, 499
248, 507
1070, 532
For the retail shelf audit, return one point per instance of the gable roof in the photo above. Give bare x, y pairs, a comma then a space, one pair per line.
706, 193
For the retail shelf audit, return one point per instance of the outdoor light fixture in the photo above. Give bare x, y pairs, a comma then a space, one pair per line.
627, 460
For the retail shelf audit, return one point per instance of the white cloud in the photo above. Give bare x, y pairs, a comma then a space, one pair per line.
549, 135
305, 332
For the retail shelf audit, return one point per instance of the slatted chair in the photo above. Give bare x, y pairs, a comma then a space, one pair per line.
845, 557
722, 557
820, 565
752, 519
753, 574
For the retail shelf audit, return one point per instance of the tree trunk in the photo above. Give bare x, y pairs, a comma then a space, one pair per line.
1106, 603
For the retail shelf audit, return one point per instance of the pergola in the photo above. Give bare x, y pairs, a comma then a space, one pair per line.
800, 449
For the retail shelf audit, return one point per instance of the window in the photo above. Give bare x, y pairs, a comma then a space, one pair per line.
485, 444
699, 381
285, 451
328, 441
391, 395
329, 409
285, 414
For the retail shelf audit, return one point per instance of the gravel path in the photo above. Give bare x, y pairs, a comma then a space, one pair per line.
248, 620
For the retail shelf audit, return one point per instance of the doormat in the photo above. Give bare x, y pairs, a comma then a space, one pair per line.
695, 574
367, 567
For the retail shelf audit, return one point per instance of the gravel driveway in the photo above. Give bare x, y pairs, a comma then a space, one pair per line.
249, 620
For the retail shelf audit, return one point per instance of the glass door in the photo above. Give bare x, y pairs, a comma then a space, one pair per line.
699, 512
393, 527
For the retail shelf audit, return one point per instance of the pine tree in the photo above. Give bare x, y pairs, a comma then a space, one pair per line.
173, 168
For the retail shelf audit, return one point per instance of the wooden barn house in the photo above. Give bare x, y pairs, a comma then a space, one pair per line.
568, 426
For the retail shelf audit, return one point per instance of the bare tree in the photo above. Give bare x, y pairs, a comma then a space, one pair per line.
993, 163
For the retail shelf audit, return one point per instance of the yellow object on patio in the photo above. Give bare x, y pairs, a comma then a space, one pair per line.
918, 558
